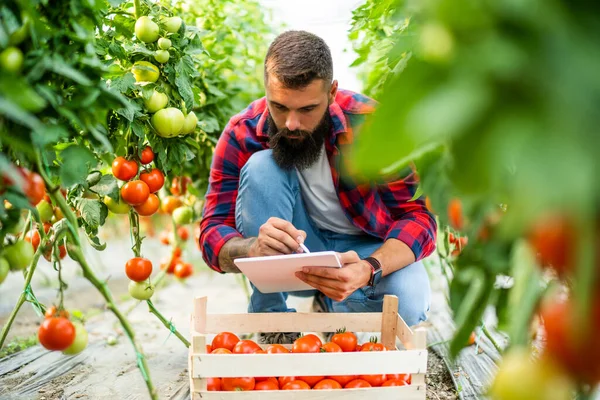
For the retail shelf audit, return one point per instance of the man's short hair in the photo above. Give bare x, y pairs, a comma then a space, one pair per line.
297, 58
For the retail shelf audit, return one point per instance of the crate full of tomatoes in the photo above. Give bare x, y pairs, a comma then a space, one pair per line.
229, 368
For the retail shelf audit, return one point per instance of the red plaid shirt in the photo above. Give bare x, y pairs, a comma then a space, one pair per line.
383, 210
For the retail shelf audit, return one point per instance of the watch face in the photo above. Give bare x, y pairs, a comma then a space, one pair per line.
377, 277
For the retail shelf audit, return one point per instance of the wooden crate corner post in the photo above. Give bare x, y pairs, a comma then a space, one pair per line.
389, 321
198, 347
420, 343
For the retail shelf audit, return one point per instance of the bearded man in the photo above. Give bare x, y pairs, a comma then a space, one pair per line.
278, 179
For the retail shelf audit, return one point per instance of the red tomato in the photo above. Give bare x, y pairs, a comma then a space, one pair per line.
346, 340
307, 344
296, 385
357, 383
33, 237
283, 380
54, 312
402, 377
342, 379
149, 207
33, 185
170, 266
183, 270
214, 384
164, 237
138, 269
209, 348
179, 185
177, 252
373, 346
331, 347
276, 348
220, 351
183, 233
237, 384
394, 382
62, 252
170, 203
358, 347
374, 380
246, 347
267, 385
327, 384
154, 179
455, 214
147, 155
56, 333
225, 340
311, 380
135, 192
554, 239
123, 169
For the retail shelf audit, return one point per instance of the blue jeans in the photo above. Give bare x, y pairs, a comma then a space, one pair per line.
265, 191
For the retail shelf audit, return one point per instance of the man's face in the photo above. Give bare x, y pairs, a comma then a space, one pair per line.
299, 121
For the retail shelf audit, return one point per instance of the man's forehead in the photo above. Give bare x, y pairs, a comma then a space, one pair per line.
311, 94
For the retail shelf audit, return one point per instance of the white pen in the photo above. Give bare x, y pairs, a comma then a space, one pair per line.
304, 248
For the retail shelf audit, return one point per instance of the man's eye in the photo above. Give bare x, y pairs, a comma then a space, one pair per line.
307, 109
280, 107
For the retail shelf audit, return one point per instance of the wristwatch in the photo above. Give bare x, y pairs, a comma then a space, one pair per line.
376, 271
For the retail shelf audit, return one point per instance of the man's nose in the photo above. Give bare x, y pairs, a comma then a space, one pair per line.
292, 122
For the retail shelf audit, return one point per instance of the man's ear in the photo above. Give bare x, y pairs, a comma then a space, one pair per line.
333, 91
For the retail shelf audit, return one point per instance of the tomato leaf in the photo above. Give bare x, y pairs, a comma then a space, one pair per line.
76, 162
123, 84
93, 212
107, 186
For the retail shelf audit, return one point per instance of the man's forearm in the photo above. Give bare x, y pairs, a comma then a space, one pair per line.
394, 255
234, 248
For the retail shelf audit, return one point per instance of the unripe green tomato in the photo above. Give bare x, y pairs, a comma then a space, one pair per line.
116, 207
189, 125
4, 269
146, 30
164, 43
140, 290
183, 215
156, 102
173, 24
45, 210
11, 60
168, 122
19, 255
80, 342
162, 56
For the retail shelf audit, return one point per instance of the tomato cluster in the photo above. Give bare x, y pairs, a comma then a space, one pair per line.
139, 193
342, 341
58, 333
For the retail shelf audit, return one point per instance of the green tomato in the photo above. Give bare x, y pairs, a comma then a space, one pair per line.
164, 43
168, 122
4, 268
189, 125
162, 56
146, 30
144, 71
116, 207
19, 255
80, 342
11, 60
140, 290
45, 210
156, 102
173, 24
183, 215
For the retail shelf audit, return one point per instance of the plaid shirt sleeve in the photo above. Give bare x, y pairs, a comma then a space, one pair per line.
218, 219
413, 224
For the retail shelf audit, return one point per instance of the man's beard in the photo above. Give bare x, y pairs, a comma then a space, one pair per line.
298, 153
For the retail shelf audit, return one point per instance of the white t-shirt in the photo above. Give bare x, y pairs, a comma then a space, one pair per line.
320, 198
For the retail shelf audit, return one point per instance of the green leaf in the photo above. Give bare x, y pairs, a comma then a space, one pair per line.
49, 134
93, 212
21, 93
107, 186
12, 111
76, 162
183, 83
61, 67
123, 84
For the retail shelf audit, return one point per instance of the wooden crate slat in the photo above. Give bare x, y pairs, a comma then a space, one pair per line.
389, 321
327, 364
291, 322
405, 334
411, 392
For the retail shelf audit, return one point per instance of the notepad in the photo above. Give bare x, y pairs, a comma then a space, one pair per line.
274, 274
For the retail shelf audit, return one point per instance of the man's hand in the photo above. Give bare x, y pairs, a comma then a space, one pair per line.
338, 283
276, 237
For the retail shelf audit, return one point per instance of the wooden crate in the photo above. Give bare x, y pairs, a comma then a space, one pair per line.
412, 359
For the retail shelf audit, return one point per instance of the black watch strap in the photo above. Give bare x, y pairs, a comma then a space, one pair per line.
376, 270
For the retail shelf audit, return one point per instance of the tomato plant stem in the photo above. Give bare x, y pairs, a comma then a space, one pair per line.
137, 8
167, 324
488, 334
23, 295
